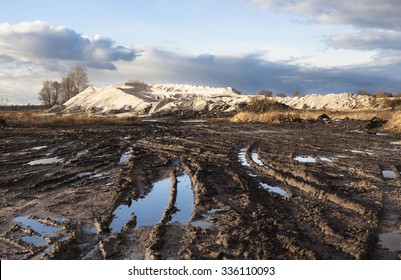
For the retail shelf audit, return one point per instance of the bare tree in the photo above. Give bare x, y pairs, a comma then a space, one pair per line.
75, 82
297, 93
266, 93
45, 94
79, 78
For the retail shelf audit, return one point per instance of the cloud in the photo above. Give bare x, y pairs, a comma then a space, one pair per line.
39, 41
382, 14
251, 73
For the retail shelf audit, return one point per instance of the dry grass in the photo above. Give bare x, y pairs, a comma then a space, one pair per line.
274, 116
36, 118
394, 123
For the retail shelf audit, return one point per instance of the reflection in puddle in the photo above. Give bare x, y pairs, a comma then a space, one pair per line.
82, 152
185, 200
305, 159
368, 152
148, 210
39, 228
205, 222
39, 148
382, 134
193, 121
391, 240
388, 174
256, 159
46, 161
326, 159
35, 240
125, 157
277, 190
242, 159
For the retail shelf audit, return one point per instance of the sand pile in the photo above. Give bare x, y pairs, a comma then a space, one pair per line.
157, 99
331, 102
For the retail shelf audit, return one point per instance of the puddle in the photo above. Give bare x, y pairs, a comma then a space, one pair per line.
242, 159
368, 152
396, 143
388, 174
265, 131
185, 200
205, 222
82, 152
193, 121
358, 131
305, 159
37, 226
52, 160
38, 148
256, 159
35, 240
125, 157
391, 240
148, 210
83, 174
326, 159
276, 190
382, 134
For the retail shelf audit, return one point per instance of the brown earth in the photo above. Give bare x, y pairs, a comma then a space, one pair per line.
337, 207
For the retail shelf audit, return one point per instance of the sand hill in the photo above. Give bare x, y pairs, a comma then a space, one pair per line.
186, 100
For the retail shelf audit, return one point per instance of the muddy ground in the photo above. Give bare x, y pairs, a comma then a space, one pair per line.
200, 190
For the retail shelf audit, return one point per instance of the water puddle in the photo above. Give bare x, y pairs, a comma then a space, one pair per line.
205, 223
326, 159
391, 240
276, 190
38, 148
368, 152
305, 159
42, 229
396, 143
382, 134
358, 131
82, 152
256, 159
388, 174
148, 210
52, 160
125, 157
242, 159
34, 240
265, 131
193, 121
185, 200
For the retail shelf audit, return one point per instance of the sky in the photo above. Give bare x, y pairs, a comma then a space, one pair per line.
313, 46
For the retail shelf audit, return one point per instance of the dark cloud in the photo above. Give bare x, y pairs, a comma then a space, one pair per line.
252, 73
40, 41
382, 14
367, 40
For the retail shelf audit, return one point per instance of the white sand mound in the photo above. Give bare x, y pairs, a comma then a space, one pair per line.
331, 102
148, 99
165, 99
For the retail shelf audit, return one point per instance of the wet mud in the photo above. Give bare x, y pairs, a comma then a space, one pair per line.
200, 190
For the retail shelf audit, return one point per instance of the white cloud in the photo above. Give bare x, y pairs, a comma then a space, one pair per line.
39, 41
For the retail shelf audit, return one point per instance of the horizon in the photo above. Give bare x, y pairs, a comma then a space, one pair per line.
251, 45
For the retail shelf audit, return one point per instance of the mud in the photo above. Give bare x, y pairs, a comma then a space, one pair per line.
232, 191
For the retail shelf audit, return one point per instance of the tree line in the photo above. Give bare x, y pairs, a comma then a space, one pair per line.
55, 92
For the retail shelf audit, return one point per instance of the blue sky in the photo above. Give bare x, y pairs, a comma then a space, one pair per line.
314, 46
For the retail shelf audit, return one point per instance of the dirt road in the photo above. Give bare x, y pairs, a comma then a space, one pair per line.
200, 190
